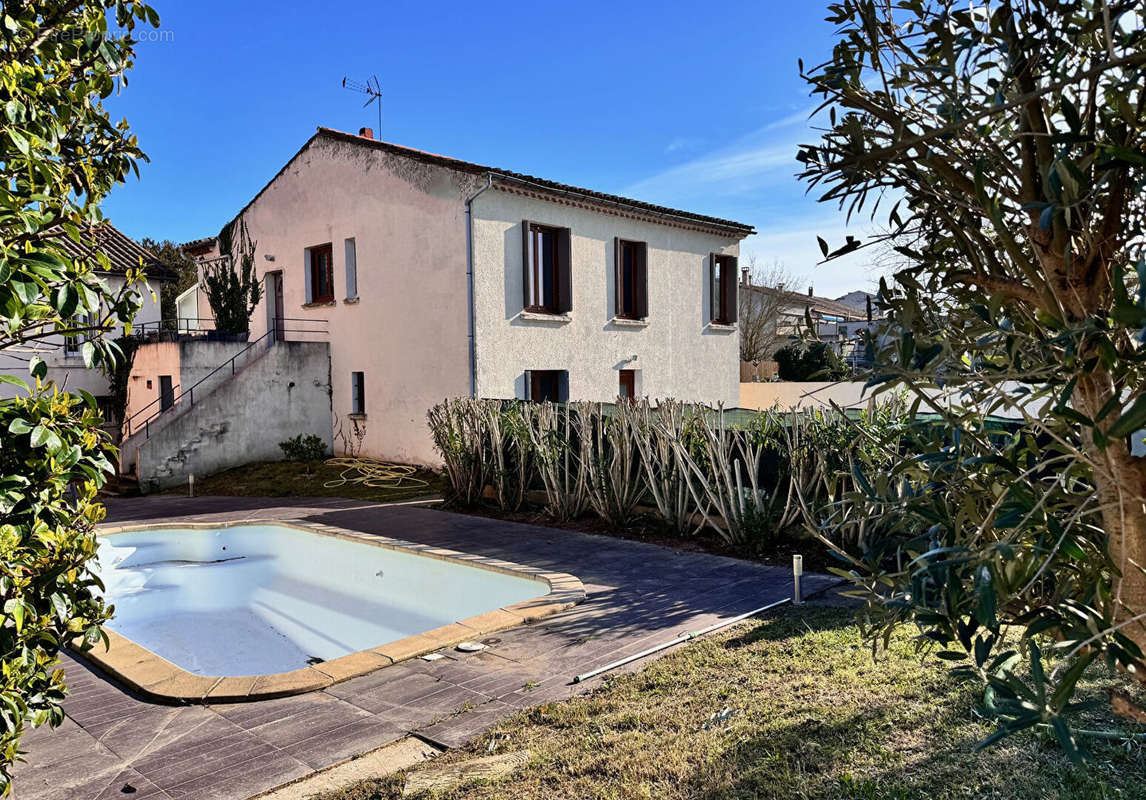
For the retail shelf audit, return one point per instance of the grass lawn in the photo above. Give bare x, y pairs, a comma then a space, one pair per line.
814, 717
295, 479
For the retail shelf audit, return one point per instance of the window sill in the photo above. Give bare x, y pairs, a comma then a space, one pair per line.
538, 316
628, 322
350, 301
356, 416
723, 327
320, 304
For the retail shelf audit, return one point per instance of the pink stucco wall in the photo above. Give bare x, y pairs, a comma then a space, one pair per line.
408, 329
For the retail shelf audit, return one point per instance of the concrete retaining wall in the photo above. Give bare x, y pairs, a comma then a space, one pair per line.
282, 394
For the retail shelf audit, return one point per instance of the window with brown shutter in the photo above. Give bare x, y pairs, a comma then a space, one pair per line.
722, 289
546, 385
321, 274
630, 260
546, 268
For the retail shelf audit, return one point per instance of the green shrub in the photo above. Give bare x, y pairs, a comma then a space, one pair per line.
307, 448
810, 361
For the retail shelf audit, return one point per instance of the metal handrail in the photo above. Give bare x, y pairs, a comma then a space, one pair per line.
270, 336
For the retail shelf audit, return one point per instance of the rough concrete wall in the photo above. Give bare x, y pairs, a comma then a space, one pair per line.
678, 353
282, 394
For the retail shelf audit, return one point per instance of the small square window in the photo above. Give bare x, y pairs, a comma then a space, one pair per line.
547, 386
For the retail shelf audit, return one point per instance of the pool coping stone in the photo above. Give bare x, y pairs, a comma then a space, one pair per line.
158, 679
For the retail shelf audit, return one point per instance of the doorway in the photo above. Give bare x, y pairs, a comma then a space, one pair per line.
166, 393
274, 291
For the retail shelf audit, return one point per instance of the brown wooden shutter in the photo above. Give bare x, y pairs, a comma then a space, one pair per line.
713, 295
528, 393
526, 266
618, 272
564, 270
728, 284
641, 280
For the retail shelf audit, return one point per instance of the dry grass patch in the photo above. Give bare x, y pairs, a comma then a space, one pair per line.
811, 715
296, 479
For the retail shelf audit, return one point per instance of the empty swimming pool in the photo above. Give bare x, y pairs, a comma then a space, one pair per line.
270, 598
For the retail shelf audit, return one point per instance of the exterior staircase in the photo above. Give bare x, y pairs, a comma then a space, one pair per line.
269, 391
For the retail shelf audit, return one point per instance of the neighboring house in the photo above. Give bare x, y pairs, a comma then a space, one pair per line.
65, 364
787, 313
441, 278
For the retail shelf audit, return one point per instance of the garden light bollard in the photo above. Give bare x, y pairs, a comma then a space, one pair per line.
191, 484
797, 572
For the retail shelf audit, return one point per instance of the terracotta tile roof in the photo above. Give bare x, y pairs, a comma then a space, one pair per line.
739, 228
122, 252
206, 241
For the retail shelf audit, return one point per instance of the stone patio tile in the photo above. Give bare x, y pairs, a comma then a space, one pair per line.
151, 729
214, 743
240, 779
385, 694
459, 730
72, 777
339, 744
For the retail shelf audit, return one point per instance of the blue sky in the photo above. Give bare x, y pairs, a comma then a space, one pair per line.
696, 106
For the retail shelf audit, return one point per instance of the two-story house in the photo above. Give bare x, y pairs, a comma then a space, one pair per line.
63, 354
436, 278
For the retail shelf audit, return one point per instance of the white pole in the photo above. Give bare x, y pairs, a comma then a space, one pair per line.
797, 572
191, 484
684, 637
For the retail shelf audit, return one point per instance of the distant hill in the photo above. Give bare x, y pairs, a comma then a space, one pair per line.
856, 299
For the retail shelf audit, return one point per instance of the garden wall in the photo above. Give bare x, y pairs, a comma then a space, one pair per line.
284, 393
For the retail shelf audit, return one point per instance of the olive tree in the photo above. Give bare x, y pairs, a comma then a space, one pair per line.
1003, 145
59, 156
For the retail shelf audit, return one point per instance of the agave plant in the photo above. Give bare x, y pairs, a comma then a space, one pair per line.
613, 465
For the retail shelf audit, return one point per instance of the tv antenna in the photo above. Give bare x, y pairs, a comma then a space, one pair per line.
372, 89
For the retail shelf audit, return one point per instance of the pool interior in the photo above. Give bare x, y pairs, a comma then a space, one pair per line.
260, 599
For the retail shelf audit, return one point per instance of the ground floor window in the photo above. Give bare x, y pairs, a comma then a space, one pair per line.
357, 393
628, 385
547, 385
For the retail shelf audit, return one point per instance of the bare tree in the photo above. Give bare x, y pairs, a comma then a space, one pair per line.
763, 298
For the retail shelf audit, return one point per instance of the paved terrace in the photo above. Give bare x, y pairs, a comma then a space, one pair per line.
639, 595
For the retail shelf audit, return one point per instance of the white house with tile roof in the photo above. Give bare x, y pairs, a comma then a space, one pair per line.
437, 277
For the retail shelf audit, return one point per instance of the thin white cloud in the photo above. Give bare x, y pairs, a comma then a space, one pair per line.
792, 119
681, 143
795, 246
737, 169
751, 162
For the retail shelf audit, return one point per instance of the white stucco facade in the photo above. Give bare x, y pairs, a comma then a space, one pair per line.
676, 351
407, 324
65, 368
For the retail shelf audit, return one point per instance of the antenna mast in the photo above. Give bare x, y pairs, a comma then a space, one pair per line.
372, 89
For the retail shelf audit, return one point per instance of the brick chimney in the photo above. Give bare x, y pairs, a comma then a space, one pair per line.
366, 133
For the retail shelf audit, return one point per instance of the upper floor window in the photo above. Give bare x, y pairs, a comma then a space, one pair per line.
722, 289
320, 274
546, 268
631, 279
351, 269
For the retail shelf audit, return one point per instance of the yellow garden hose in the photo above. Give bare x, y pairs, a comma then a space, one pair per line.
372, 473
